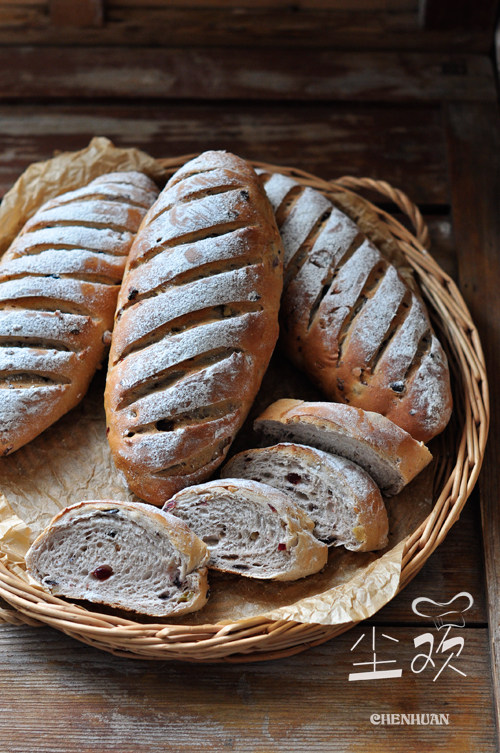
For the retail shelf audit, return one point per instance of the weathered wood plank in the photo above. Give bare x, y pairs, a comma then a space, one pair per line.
474, 155
390, 142
248, 74
344, 5
92, 701
394, 27
448, 14
78, 13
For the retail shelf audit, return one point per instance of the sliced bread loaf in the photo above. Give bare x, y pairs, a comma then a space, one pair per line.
388, 453
123, 554
251, 529
343, 501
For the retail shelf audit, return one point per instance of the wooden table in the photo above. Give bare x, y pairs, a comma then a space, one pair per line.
428, 123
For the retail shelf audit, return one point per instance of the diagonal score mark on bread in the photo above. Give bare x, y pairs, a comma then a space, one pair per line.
58, 287
195, 327
350, 320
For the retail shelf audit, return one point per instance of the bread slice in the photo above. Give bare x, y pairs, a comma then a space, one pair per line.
341, 499
388, 453
251, 529
123, 554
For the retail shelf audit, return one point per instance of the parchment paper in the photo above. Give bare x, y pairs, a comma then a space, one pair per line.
71, 460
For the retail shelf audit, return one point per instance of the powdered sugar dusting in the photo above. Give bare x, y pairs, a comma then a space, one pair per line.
368, 329
225, 288
142, 366
91, 239
400, 351
174, 261
277, 188
66, 261
101, 212
303, 216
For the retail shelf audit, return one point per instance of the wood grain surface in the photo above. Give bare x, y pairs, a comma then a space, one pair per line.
474, 154
248, 74
79, 700
387, 142
276, 24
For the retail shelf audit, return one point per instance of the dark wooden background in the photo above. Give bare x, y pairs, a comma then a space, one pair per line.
400, 90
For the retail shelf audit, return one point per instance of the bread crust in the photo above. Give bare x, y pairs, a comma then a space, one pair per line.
193, 551
196, 324
360, 493
368, 433
351, 321
58, 289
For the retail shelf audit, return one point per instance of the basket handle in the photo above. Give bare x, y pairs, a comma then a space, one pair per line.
396, 196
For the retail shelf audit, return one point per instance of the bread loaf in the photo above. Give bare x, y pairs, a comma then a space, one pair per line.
385, 451
123, 554
196, 324
250, 529
350, 320
341, 499
58, 289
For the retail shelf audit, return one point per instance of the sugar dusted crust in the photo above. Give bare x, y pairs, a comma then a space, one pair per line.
350, 320
58, 288
196, 324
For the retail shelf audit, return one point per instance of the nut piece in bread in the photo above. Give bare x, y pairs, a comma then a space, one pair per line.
251, 529
341, 499
59, 283
123, 554
388, 453
351, 321
196, 324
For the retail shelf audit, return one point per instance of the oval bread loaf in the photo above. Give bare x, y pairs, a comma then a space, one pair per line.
196, 325
126, 555
251, 529
59, 284
350, 320
388, 453
341, 499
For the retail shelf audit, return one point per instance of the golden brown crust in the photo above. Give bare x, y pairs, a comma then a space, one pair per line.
371, 432
195, 327
58, 288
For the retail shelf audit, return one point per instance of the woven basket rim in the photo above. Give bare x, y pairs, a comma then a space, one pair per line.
258, 638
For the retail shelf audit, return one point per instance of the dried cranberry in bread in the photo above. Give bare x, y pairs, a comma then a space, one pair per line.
59, 283
196, 325
350, 320
126, 555
341, 499
251, 529
388, 453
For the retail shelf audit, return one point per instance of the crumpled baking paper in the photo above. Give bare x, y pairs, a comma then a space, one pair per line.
71, 460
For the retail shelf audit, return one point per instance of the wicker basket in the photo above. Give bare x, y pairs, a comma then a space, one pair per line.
456, 472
